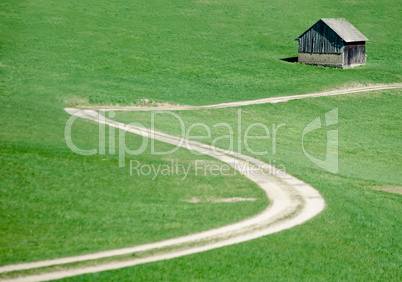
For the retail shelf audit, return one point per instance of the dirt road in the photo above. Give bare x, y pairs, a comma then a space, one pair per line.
292, 202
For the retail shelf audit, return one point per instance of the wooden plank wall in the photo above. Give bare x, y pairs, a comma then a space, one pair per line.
355, 53
320, 39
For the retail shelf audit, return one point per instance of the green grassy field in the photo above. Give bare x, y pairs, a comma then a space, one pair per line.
56, 203
357, 236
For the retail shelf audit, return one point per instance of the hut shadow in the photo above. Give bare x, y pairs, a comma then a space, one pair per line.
290, 60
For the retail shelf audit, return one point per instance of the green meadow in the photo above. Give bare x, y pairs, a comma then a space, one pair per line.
356, 236
57, 203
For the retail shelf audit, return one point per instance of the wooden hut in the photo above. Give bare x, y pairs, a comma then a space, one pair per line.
332, 42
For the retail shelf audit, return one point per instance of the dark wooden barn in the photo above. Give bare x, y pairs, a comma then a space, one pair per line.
332, 42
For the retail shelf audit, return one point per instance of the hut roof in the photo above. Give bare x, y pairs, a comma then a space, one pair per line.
343, 29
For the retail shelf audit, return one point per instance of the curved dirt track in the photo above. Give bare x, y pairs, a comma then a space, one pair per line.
292, 202
271, 100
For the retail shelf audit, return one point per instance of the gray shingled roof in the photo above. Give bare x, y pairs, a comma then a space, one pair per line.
344, 29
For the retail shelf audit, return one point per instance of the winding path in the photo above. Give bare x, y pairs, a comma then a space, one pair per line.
271, 100
292, 201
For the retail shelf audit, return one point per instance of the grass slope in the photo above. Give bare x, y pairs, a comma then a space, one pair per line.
56, 203
55, 54
357, 236
189, 52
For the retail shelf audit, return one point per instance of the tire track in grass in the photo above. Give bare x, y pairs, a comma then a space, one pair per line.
292, 201
272, 100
